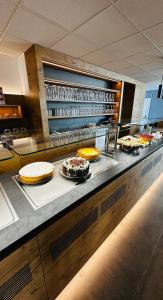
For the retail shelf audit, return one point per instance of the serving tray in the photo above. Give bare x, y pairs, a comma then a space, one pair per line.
42, 194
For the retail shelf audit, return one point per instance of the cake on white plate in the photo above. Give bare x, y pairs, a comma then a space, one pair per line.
75, 167
36, 172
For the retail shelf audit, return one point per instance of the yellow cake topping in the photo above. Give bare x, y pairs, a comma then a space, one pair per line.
89, 153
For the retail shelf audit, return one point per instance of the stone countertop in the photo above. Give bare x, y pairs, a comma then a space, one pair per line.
33, 221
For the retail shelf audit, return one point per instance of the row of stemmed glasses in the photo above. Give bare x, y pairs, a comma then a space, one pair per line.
77, 111
65, 93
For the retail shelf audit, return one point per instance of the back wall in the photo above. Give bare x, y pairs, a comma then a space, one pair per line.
10, 79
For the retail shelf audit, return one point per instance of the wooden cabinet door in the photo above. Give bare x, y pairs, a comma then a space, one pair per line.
146, 176
21, 275
67, 244
151, 167
158, 163
132, 194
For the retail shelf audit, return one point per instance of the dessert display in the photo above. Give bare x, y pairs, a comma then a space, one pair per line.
129, 141
89, 153
146, 138
36, 172
75, 167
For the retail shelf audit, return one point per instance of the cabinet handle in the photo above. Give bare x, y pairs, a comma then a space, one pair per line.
157, 160
65, 240
16, 283
146, 169
114, 197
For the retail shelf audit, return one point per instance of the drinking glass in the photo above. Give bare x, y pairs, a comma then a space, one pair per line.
53, 92
110, 97
7, 131
80, 95
61, 139
91, 95
87, 95
62, 93
68, 93
64, 138
57, 139
75, 94
46, 90
106, 97
24, 131
15, 133
96, 96
103, 96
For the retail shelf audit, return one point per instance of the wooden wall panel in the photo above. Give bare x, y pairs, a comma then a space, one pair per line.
146, 176
21, 275
157, 163
32, 100
62, 265
10, 164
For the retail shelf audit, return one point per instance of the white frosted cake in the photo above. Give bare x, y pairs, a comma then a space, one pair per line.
35, 172
75, 166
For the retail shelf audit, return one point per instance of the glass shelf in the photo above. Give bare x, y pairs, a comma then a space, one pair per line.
9, 105
8, 112
32, 145
11, 118
5, 154
69, 84
76, 101
80, 116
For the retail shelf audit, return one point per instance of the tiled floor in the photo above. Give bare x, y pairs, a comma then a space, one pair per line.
151, 285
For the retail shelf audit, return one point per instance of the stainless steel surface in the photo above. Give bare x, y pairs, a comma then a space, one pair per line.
39, 195
7, 212
111, 142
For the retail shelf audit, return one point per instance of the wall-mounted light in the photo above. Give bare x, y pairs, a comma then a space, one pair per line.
2, 97
160, 90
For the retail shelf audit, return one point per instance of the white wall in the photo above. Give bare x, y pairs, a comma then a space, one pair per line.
138, 103
23, 74
153, 85
10, 75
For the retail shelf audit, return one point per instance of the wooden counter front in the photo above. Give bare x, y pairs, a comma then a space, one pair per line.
21, 274
66, 245
60, 250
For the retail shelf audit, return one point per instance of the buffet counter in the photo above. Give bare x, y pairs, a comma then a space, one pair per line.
59, 237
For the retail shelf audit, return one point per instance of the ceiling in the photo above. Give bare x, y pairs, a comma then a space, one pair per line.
125, 36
